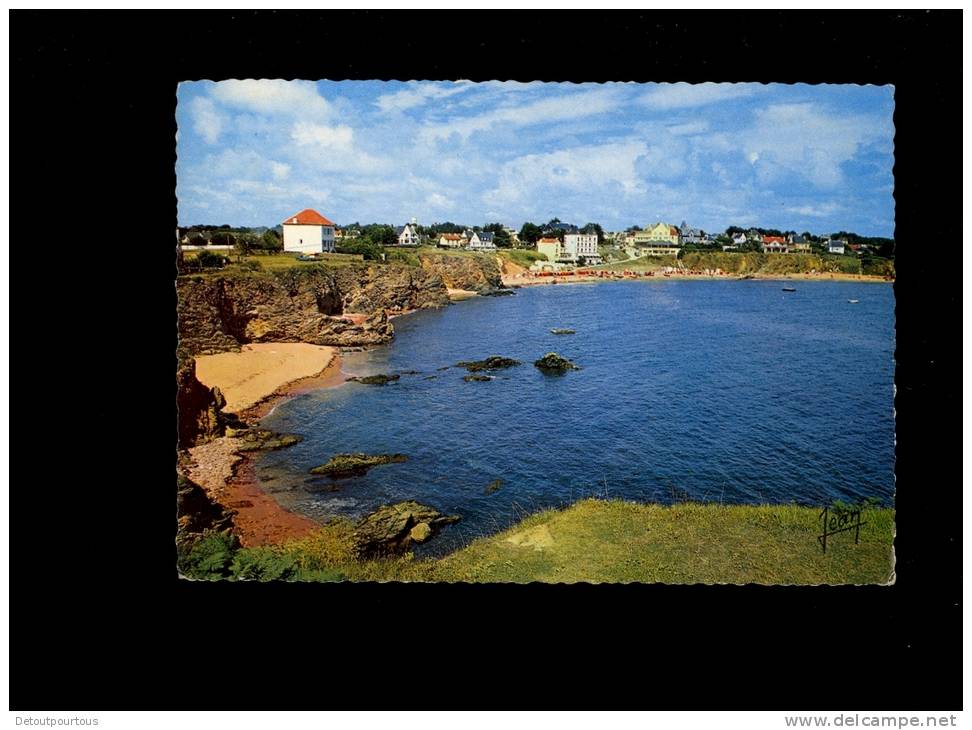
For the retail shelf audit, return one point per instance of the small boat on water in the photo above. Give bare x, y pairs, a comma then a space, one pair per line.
788, 288
853, 301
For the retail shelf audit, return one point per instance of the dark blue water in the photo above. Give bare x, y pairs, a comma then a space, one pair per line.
726, 391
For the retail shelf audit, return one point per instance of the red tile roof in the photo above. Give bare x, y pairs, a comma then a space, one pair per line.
308, 217
451, 236
549, 240
774, 239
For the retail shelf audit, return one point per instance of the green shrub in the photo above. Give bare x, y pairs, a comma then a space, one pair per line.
209, 557
250, 265
211, 260
263, 564
878, 267
370, 250
403, 256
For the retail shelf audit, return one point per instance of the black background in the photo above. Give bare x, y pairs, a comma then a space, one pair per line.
98, 619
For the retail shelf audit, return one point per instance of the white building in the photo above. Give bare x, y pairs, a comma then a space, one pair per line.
481, 241
836, 245
581, 245
408, 234
308, 232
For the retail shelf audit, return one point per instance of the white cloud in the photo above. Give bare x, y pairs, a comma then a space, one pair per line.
439, 202
805, 140
206, 121
687, 96
820, 210
418, 95
335, 138
578, 169
544, 111
689, 128
272, 96
280, 170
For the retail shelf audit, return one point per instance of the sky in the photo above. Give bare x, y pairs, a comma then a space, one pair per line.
798, 157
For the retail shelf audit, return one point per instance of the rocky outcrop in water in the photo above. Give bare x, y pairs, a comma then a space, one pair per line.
493, 362
380, 379
478, 273
393, 529
262, 439
348, 465
199, 407
554, 363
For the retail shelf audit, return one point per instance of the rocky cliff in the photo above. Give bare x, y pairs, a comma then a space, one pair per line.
199, 407
475, 273
220, 313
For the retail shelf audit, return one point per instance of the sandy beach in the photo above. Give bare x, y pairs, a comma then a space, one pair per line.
457, 295
254, 381
529, 280
258, 371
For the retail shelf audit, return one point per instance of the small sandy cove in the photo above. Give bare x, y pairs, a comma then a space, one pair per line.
261, 369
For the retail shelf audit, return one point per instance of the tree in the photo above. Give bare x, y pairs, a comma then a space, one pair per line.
530, 233
379, 234
364, 246
244, 246
500, 237
270, 241
594, 228
222, 239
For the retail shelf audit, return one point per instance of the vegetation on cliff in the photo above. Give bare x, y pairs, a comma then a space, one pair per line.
590, 541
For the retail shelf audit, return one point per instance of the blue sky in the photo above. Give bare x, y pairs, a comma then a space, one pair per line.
800, 157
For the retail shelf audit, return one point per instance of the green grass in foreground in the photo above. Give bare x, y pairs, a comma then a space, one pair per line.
613, 542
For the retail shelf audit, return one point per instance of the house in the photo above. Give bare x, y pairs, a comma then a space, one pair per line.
408, 234
481, 241
774, 244
660, 239
798, 243
308, 232
692, 235
451, 240
836, 245
513, 234
550, 247
581, 246
753, 235
737, 240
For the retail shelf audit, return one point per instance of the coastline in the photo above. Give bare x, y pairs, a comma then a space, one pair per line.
229, 477
522, 281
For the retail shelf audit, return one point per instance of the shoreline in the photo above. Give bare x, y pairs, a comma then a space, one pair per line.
229, 477
524, 281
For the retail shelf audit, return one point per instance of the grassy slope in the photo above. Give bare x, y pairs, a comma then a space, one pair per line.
615, 541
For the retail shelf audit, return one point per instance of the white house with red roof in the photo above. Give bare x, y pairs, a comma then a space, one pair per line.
308, 232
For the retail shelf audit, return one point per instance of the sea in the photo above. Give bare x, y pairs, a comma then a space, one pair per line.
733, 392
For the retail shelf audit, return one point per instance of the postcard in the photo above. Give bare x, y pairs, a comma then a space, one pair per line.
506, 332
